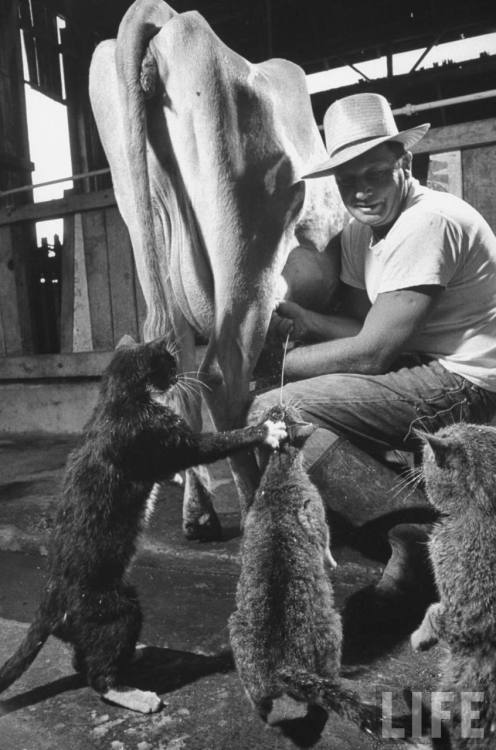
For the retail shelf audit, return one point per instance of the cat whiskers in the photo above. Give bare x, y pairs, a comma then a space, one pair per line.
295, 402
173, 349
187, 388
408, 483
193, 380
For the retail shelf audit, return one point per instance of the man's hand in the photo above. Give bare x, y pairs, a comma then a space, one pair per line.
279, 328
291, 319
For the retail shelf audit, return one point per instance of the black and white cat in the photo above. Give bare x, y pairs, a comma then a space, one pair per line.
131, 441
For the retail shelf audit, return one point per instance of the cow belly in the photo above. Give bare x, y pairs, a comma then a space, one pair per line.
185, 273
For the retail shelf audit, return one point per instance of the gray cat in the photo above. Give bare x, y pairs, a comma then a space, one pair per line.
459, 468
286, 632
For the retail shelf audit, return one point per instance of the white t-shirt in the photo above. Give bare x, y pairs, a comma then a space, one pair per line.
437, 239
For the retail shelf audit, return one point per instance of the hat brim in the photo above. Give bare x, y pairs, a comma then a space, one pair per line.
407, 137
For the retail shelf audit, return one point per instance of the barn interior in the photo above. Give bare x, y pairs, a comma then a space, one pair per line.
66, 299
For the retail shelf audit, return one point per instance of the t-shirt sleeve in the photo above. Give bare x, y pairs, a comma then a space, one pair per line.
352, 267
422, 248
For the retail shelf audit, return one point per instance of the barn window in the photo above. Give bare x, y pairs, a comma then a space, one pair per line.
41, 40
49, 148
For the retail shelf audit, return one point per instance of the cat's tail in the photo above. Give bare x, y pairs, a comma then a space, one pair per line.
26, 653
331, 695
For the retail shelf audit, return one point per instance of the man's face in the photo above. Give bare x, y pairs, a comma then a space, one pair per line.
374, 184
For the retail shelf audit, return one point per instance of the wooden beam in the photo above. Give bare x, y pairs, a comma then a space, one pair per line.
41, 366
67, 288
56, 366
463, 135
57, 208
97, 271
9, 302
121, 276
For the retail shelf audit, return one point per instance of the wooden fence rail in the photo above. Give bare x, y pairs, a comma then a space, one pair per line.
101, 299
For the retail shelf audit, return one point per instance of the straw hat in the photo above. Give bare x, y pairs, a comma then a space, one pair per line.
357, 123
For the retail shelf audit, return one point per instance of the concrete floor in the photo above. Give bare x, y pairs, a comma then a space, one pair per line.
187, 594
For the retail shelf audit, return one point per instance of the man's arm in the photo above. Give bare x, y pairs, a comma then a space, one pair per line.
305, 325
386, 331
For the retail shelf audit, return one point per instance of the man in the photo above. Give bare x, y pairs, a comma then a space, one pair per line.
415, 343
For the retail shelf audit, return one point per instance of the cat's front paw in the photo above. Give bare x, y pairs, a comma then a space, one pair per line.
276, 432
420, 641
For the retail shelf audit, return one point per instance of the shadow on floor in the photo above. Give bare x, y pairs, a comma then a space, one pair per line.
304, 731
160, 670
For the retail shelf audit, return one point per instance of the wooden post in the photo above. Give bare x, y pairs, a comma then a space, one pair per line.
15, 170
121, 277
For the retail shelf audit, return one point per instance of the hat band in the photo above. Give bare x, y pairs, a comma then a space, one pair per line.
359, 141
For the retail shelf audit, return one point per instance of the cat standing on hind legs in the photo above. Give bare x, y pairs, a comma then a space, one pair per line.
459, 469
131, 441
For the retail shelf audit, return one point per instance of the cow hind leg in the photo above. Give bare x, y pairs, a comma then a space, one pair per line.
200, 521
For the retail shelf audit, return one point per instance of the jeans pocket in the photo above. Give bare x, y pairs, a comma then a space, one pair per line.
442, 408
465, 402
446, 396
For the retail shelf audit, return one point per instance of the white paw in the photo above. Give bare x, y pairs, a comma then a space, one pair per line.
276, 432
143, 701
415, 640
419, 642
330, 559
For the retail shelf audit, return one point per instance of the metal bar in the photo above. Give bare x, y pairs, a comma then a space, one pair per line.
426, 52
389, 64
357, 70
80, 176
410, 109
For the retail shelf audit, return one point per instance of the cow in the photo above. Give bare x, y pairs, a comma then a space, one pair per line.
206, 151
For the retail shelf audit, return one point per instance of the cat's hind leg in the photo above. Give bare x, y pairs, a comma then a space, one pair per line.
79, 661
263, 707
427, 634
108, 640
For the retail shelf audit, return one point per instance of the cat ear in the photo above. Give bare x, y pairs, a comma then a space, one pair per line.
299, 433
441, 447
126, 342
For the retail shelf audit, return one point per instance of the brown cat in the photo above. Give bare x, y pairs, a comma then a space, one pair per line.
286, 632
459, 468
131, 441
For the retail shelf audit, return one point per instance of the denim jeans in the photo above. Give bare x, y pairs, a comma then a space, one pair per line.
378, 413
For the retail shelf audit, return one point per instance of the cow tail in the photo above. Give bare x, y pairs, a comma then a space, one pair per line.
332, 696
136, 71
26, 653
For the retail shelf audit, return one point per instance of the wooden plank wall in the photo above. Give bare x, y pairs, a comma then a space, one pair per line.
16, 324
101, 299
477, 144
114, 298
479, 180
15, 170
11, 338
